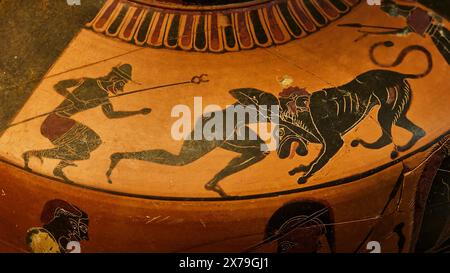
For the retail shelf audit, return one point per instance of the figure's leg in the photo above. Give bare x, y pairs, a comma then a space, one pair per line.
385, 119
250, 153
61, 152
58, 170
329, 135
79, 149
91, 140
75, 145
417, 132
332, 142
190, 151
26, 158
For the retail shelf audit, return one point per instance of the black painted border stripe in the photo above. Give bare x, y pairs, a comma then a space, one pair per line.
143, 31
340, 6
260, 33
290, 21
230, 38
114, 28
315, 14
324, 185
200, 34
172, 34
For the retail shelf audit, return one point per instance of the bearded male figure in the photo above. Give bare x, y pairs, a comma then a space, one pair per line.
73, 140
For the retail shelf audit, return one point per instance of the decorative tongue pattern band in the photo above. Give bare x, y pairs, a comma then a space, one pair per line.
261, 25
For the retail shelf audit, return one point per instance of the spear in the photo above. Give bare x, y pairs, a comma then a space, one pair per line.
356, 25
195, 80
392, 30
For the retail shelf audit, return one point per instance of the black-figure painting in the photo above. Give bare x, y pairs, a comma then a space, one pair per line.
323, 117
245, 25
249, 150
73, 140
62, 223
354, 136
421, 22
418, 21
304, 226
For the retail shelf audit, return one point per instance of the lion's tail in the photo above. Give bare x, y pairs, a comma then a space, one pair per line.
402, 56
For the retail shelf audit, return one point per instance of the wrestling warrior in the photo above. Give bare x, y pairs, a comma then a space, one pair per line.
73, 140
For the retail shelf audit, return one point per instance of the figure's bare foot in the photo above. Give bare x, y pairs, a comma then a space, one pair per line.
26, 159
108, 176
59, 173
216, 188
115, 158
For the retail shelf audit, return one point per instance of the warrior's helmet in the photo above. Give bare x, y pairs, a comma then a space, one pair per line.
118, 77
68, 217
123, 71
298, 226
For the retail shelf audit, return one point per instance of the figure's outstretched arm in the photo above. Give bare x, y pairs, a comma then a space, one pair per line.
110, 113
61, 88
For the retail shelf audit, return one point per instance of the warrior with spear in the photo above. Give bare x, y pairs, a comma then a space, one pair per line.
418, 21
73, 140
